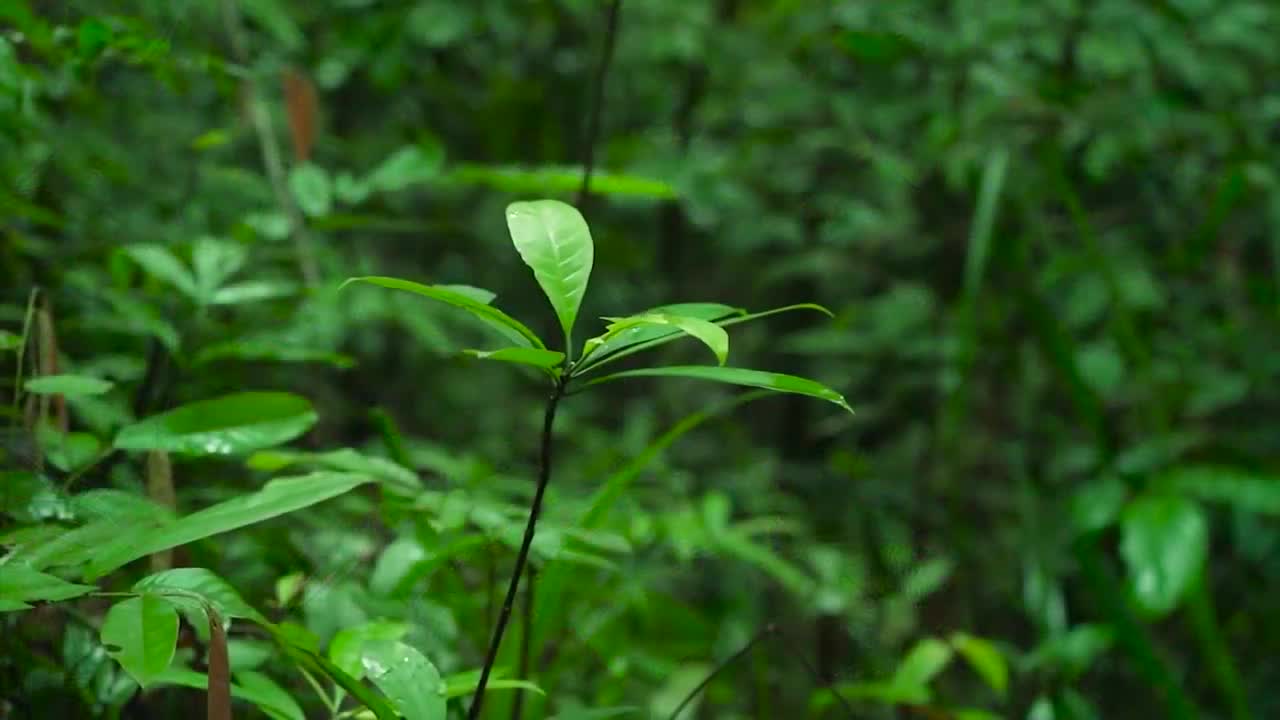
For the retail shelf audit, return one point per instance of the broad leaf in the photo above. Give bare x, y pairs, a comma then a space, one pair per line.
69, 385
278, 497
553, 239
709, 333
141, 634
776, 382
408, 679
312, 189
320, 665
164, 265
510, 328
533, 357
20, 585
347, 647
180, 584
926, 659
1165, 544
231, 424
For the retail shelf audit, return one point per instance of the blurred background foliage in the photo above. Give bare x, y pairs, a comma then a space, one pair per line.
1050, 232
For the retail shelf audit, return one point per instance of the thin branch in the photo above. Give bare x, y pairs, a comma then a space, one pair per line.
597, 103
522, 557
526, 637
270, 148
766, 631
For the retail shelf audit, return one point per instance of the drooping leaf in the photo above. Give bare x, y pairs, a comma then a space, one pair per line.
1165, 544
162, 264
141, 633
553, 240
983, 656
180, 584
409, 680
644, 337
231, 424
21, 585
69, 385
709, 333
278, 497
510, 328
776, 382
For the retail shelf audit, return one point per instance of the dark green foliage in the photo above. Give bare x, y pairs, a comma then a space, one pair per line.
1048, 234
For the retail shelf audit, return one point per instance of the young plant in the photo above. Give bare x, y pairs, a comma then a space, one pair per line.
553, 240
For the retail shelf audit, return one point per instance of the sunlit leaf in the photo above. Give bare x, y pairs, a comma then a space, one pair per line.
925, 660
347, 647
231, 424
547, 180
533, 357
616, 345
21, 585
554, 241
709, 333
141, 634
985, 658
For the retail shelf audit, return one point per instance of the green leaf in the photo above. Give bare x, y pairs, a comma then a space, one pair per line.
311, 188
164, 265
551, 179
267, 350
313, 661
1243, 490
20, 584
534, 357
179, 584
253, 687
776, 382
408, 679
465, 683
274, 17
926, 659
9, 341
612, 346
1165, 544
709, 333
983, 656
231, 424
141, 634
510, 328
1096, 505
214, 262
407, 166
554, 241
347, 647
69, 385
775, 311
278, 497
251, 291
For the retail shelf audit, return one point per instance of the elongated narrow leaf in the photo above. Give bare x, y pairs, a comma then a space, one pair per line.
252, 687
464, 683
1241, 489
709, 333
553, 240
985, 659
321, 665
231, 424
141, 634
553, 179
69, 385
776, 382
164, 265
20, 585
748, 317
278, 497
533, 357
408, 679
510, 328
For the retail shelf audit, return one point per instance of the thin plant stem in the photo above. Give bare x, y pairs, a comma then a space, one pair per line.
764, 632
517, 707
522, 557
597, 105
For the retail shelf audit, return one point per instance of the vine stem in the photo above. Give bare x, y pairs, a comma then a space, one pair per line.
522, 557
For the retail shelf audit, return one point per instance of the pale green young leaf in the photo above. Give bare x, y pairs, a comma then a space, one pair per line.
709, 333
777, 382
614, 345
507, 326
533, 357
164, 265
553, 240
983, 656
